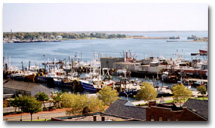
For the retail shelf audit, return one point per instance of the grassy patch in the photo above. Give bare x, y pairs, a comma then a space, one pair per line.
200, 98
169, 101
142, 104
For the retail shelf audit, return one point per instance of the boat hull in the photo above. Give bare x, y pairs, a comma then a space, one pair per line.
20, 78
203, 51
30, 77
130, 93
88, 87
42, 79
62, 84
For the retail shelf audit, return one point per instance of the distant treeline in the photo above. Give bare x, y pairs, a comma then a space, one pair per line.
58, 35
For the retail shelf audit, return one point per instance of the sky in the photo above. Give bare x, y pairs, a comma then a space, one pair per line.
68, 17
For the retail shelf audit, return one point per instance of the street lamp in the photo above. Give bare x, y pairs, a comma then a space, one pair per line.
21, 114
126, 94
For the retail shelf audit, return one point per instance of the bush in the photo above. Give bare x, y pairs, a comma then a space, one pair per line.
45, 109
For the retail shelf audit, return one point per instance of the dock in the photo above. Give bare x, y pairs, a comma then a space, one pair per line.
199, 54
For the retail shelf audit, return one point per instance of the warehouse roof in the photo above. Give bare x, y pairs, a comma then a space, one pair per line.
20, 85
122, 108
198, 106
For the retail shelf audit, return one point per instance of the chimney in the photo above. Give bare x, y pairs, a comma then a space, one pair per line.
152, 103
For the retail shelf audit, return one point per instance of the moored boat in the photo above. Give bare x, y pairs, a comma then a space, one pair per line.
61, 83
30, 77
203, 52
88, 86
17, 76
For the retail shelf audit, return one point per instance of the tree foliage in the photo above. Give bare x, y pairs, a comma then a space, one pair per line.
15, 102
57, 98
202, 89
5, 103
147, 92
181, 93
108, 95
29, 104
78, 103
65, 35
42, 96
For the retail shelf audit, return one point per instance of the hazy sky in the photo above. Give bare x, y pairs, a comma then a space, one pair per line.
104, 17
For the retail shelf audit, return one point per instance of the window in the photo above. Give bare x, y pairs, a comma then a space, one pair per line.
160, 118
152, 118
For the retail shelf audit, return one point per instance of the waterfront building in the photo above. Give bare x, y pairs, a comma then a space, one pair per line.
192, 110
24, 88
108, 62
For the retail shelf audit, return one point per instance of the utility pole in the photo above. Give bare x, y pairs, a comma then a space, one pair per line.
22, 66
126, 94
29, 64
81, 56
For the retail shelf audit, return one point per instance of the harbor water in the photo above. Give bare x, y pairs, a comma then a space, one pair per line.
38, 52
85, 49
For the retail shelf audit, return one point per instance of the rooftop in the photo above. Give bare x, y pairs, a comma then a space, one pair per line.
20, 85
198, 106
90, 117
122, 108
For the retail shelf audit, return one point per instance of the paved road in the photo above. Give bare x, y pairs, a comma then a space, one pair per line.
41, 115
12, 109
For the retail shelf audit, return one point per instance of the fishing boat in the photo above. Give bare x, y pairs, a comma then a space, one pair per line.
173, 37
199, 82
93, 80
167, 78
203, 52
129, 88
65, 81
17, 76
95, 84
88, 86
192, 37
62, 82
30, 77
129, 92
50, 75
193, 82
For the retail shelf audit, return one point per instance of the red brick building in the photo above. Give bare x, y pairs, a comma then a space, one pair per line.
192, 110
163, 112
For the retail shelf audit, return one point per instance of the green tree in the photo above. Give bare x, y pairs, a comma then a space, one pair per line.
108, 95
15, 102
42, 96
57, 98
5, 103
78, 103
181, 93
147, 92
30, 105
202, 89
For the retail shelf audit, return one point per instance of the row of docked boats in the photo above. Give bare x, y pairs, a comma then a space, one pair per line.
91, 82
63, 74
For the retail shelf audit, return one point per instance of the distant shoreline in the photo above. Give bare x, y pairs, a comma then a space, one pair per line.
34, 37
113, 31
166, 38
